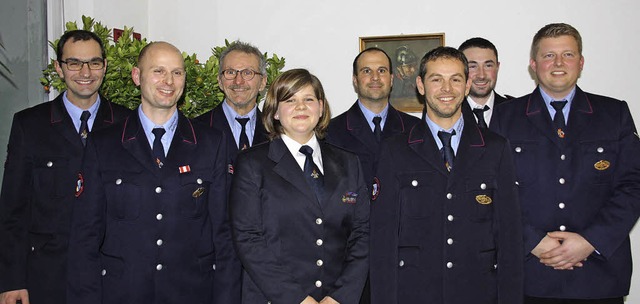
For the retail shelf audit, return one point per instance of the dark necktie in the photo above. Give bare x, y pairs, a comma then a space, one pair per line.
158, 149
479, 113
558, 118
377, 130
243, 143
311, 172
447, 150
84, 126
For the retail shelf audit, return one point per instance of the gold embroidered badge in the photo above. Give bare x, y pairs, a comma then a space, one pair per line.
198, 192
483, 199
602, 165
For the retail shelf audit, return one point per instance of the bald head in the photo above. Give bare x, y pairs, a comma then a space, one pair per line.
161, 76
158, 46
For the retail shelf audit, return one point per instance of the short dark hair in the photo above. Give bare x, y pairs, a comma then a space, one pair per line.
246, 48
443, 52
76, 35
371, 49
478, 42
554, 30
285, 86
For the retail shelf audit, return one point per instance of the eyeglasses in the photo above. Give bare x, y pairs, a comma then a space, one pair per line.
76, 65
246, 74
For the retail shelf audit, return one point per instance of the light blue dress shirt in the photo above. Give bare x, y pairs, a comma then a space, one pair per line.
169, 128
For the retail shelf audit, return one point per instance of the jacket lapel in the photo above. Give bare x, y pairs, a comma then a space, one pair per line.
61, 122
260, 134
136, 143
333, 172
359, 128
538, 115
183, 144
104, 117
471, 148
422, 143
287, 167
580, 115
394, 123
220, 123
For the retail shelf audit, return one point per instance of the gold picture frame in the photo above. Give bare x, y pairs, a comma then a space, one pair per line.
405, 52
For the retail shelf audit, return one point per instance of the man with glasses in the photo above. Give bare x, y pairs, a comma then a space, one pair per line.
44, 154
242, 76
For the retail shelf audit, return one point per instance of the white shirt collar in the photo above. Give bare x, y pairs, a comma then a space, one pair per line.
294, 148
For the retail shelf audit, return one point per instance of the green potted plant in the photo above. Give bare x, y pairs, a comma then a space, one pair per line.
201, 94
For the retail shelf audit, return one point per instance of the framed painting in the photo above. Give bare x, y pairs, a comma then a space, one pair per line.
405, 52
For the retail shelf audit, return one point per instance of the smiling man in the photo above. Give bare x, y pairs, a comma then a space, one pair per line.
150, 223
242, 76
371, 118
446, 228
482, 56
577, 164
44, 155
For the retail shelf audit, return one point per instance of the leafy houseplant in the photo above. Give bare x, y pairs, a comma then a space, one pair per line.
201, 93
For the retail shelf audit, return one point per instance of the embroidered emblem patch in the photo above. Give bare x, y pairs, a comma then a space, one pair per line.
349, 197
79, 185
375, 189
602, 165
483, 199
198, 192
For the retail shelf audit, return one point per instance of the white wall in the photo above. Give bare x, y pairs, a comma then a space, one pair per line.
323, 37
112, 13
